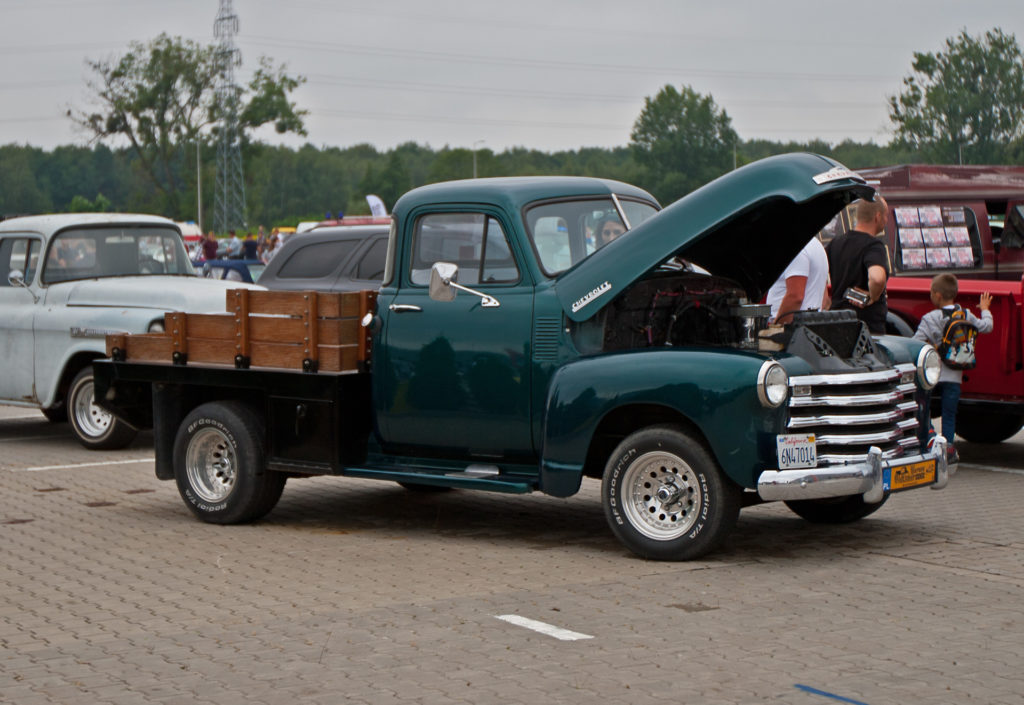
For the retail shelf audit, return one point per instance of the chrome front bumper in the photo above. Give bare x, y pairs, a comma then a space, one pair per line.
867, 478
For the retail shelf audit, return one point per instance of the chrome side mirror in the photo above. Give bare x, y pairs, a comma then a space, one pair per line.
17, 278
442, 274
443, 286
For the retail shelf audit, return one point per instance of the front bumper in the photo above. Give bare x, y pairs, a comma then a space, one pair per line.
868, 478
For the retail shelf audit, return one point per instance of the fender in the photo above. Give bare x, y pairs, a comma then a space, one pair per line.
715, 389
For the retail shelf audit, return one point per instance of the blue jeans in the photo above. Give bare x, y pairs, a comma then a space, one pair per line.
950, 395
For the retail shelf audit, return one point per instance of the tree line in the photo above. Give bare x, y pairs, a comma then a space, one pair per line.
964, 104
287, 185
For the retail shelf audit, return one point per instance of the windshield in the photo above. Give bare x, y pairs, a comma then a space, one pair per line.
115, 251
565, 232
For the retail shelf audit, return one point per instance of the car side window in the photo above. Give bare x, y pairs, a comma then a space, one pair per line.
18, 254
371, 265
316, 260
474, 241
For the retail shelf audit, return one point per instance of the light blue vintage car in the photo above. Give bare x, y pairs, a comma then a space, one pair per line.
68, 280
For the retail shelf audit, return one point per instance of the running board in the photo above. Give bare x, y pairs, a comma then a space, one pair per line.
474, 477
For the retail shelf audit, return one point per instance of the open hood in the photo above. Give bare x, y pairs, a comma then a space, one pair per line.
747, 225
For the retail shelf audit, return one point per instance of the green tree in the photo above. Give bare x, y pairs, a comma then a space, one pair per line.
963, 104
682, 140
159, 96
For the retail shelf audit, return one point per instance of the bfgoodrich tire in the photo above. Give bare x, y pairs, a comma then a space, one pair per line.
665, 497
95, 428
835, 510
219, 464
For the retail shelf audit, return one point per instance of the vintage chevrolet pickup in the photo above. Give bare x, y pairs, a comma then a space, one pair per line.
645, 363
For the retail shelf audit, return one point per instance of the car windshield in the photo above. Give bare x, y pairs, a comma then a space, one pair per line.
565, 232
115, 251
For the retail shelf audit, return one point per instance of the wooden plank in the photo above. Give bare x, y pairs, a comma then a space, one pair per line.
241, 315
333, 304
179, 331
330, 331
153, 347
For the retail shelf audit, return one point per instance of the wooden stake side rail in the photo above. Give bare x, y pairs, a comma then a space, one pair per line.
304, 330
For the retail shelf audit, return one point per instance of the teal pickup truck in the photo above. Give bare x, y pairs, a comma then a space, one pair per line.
512, 348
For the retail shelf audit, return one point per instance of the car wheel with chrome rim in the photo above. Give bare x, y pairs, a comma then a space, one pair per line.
219, 464
95, 428
664, 496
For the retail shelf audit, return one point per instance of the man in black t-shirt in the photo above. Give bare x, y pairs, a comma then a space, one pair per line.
858, 262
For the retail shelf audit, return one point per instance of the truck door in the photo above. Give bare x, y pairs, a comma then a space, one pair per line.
456, 377
18, 253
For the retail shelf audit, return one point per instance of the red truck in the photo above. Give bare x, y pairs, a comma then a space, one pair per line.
968, 220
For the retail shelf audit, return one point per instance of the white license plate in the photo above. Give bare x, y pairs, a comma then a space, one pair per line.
796, 451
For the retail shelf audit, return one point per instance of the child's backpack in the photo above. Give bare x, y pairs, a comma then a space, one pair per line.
957, 345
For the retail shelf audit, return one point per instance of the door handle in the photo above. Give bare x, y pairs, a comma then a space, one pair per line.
404, 308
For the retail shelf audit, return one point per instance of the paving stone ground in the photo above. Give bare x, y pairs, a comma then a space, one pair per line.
362, 592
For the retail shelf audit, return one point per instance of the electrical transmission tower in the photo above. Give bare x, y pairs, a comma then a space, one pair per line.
229, 196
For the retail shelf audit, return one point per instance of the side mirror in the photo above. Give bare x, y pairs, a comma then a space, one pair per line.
441, 276
443, 285
17, 278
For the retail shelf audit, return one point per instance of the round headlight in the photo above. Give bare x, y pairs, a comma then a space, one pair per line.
156, 327
928, 367
772, 384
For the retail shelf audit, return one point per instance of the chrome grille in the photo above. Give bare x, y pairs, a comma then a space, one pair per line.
849, 413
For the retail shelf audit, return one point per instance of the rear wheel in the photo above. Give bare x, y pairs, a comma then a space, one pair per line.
665, 497
219, 464
834, 510
987, 427
95, 428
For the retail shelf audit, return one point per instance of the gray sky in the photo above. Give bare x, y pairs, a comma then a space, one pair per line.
543, 74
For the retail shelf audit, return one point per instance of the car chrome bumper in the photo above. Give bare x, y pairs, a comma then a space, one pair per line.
866, 478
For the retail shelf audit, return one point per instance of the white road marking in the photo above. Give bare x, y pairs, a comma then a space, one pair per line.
83, 465
543, 628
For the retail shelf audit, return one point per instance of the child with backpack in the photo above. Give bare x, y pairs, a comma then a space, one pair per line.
952, 330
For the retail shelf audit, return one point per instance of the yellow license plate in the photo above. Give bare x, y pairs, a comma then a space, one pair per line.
914, 475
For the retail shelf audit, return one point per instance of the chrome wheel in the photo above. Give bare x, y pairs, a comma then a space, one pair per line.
211, 465
661, 496
91, 419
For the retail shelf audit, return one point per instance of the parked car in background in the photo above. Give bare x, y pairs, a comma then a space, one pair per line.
969, 221
340, 258
236, 270
70, 279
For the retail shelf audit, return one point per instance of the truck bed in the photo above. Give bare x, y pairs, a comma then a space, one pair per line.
297, 330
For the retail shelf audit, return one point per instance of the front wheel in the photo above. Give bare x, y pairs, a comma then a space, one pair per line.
95, 428
219, 464
665, 497
834, 510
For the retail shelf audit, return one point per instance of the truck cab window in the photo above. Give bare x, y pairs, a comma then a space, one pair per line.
473, 241
21, 254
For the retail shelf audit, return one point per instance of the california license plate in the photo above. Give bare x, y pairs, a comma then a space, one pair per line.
903, 477
796, 451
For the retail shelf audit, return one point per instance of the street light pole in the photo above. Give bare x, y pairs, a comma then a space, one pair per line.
474, 155
199, 189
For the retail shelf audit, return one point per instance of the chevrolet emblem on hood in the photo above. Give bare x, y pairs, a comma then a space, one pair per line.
590, 296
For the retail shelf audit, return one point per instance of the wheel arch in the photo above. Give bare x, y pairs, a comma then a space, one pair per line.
626, 419
74, 364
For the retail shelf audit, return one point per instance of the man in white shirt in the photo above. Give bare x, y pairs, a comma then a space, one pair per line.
803, 285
